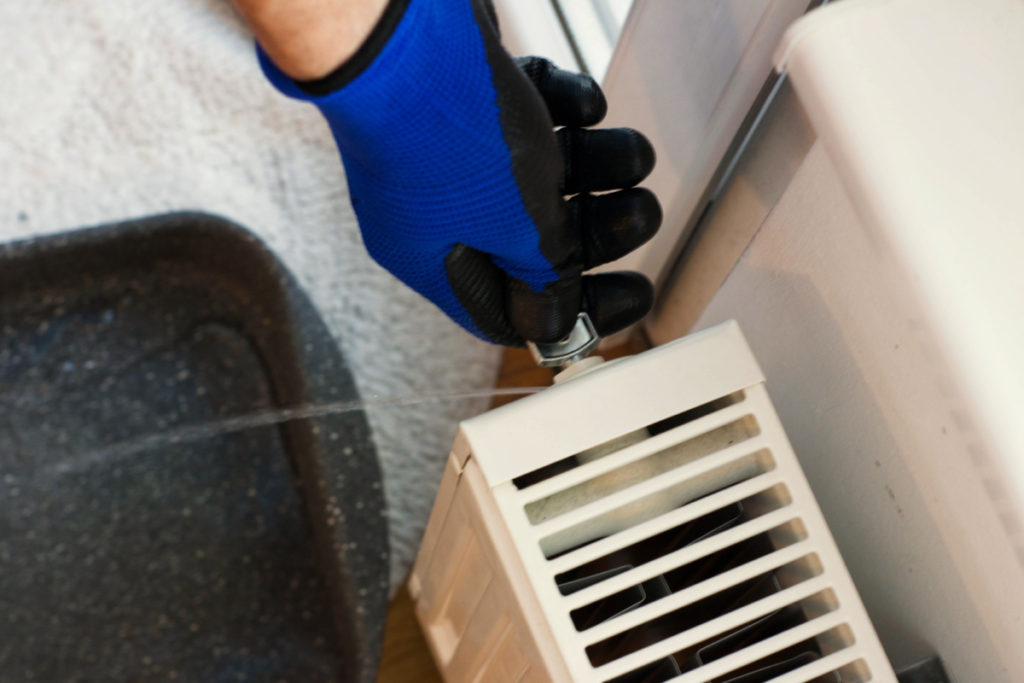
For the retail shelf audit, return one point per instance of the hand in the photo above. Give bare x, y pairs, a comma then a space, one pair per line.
458, 178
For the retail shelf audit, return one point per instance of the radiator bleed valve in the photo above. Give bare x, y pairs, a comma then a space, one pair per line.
570, 353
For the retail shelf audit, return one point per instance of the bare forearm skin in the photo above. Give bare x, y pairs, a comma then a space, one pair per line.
308, 39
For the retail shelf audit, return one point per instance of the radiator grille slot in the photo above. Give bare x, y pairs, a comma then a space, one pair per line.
701, 611
612, 445
777, 663
802, 653
686, 576
683, 535
690, 489
640, 470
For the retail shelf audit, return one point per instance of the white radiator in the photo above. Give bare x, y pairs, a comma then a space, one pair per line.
644, 521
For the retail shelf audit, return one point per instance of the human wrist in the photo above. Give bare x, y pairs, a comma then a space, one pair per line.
310, 39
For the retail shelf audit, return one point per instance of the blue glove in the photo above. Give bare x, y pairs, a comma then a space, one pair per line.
459, 180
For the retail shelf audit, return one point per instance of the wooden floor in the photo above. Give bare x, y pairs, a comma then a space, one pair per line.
406, 656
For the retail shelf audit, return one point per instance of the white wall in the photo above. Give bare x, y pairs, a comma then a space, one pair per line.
880, 430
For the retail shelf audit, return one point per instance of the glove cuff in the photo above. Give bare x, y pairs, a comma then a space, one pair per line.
349, 70
363, 57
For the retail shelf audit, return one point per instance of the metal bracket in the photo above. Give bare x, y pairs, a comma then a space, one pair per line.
579, 343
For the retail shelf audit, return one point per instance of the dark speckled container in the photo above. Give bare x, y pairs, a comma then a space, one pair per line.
252, 553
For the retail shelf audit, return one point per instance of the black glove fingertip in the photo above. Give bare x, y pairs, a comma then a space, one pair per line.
612, 225
577, 99
604, 159
572, 98
614, 301
545, 316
